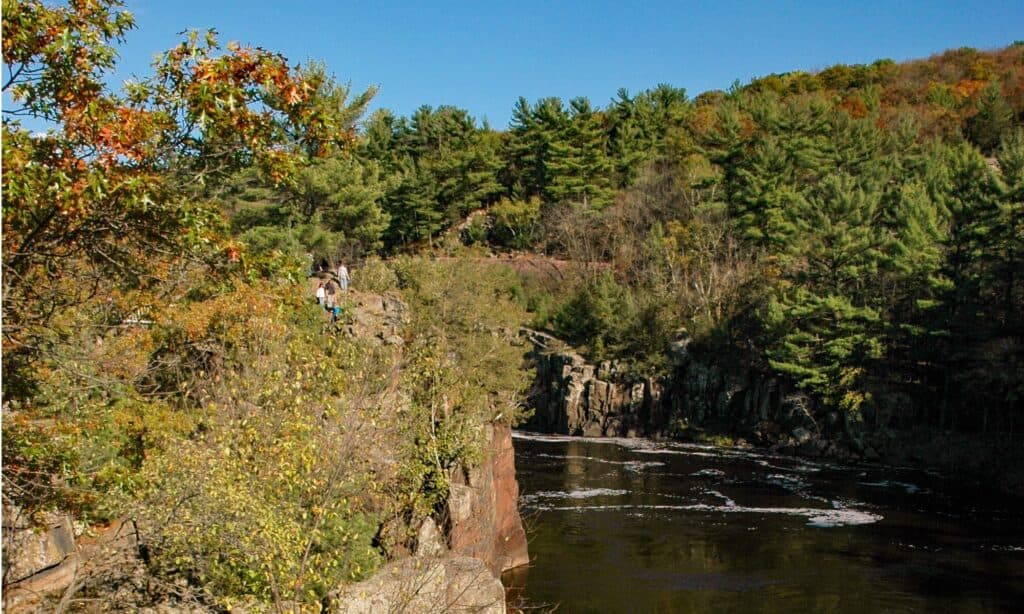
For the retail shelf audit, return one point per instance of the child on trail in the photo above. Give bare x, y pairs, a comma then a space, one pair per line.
321, 294
329, 306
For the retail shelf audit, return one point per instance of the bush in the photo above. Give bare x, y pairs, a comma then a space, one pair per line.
614, 320
476, 231
514, 223
464, 368
279, 494
374, 275
596, 316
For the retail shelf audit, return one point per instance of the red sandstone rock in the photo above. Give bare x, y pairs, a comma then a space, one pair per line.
484, 512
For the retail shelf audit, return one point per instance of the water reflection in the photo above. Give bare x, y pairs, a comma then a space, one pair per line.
634, 526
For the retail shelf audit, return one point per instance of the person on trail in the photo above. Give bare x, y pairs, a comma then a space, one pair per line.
343, 276
336, 313
329, 303
321, 294
332, 297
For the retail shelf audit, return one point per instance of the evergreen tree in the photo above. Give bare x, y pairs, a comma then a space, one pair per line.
824, 328
578, 168
439, 166
533, 131
995, 117
331, 206
627, 144
1008, 238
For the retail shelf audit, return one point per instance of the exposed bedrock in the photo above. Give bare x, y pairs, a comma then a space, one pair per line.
574, 397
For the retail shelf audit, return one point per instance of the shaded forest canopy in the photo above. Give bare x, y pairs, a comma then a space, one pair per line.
858, 231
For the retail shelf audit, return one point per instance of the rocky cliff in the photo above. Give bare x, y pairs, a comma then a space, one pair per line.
483, 508
573, 397
457, 569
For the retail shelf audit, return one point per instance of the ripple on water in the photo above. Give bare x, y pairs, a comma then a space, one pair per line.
910, 488
714, 493
816, 517
632, 465
791, 483
586, 493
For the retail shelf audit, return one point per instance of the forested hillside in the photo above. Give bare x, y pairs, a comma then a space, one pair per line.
858, 231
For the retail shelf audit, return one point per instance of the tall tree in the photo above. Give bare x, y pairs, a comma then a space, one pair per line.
113, 185
993, 120
577, 165
825, 328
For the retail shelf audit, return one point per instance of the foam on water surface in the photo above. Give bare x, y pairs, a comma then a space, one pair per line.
816, 517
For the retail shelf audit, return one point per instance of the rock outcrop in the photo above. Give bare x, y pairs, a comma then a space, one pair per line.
456, 569
375, 317
418, 584
573, 397
483, 509
46, 559
39, 557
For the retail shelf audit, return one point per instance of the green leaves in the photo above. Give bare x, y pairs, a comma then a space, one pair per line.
561, 154
825, 344
280, 492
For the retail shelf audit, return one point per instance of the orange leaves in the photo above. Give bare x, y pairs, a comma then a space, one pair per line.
855, 106
113, 183
968, 88
237, 317
293, 95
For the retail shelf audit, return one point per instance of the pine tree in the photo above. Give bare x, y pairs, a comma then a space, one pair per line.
578, 168
824, 328
1009, 231
534, 129
994, 119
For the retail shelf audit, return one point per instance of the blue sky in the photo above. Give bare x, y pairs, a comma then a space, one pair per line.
483, 55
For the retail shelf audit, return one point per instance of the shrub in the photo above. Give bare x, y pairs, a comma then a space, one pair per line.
374, 275
514, 223
279, 493
476, 231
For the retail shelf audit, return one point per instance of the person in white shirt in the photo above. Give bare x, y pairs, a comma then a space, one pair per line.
343, 276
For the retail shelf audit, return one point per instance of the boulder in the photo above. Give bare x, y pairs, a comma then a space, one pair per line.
40, 557
801, 435
457, 584
429, 541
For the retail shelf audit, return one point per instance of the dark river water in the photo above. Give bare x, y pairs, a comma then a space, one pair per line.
630, 525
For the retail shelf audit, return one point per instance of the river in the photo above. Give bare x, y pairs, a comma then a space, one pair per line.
632, 525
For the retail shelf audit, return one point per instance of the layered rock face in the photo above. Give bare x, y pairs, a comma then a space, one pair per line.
483, 508
574, 397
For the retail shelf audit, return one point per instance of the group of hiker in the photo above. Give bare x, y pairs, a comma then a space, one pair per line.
327, 293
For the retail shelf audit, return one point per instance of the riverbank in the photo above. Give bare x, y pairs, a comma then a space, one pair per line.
704, 402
